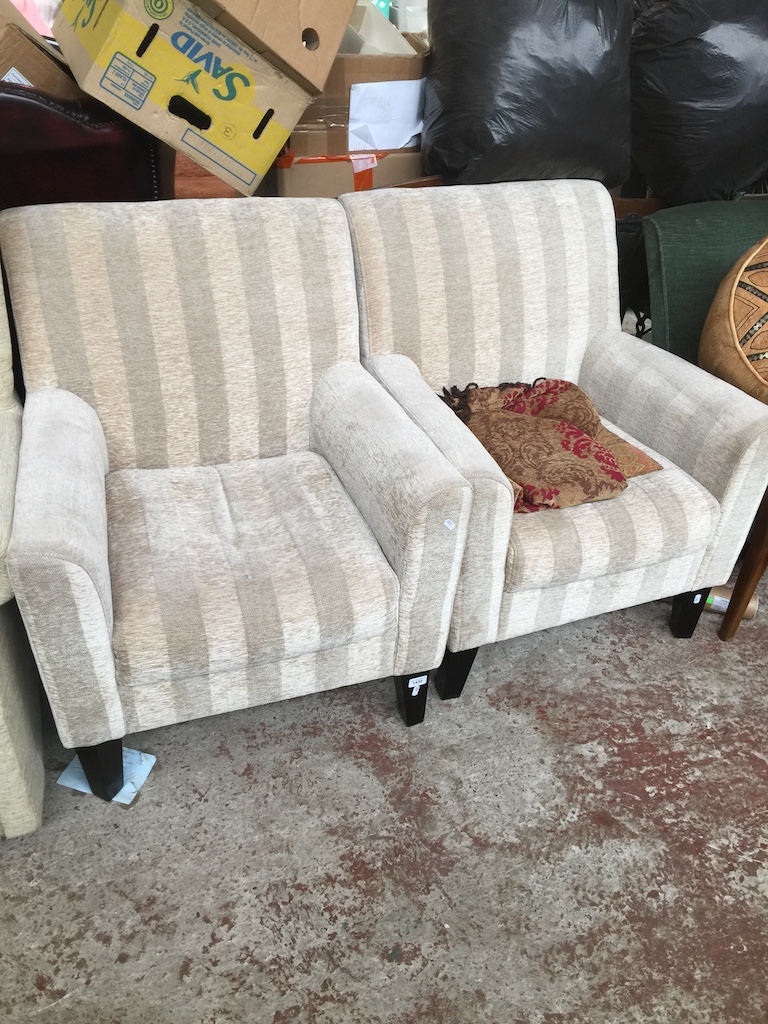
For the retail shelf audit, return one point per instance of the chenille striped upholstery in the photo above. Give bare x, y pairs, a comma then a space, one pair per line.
21, 745
10, 436
21, 759
515, 281
141, 290
217, 506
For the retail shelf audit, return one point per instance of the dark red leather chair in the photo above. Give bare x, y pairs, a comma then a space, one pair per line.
54, 150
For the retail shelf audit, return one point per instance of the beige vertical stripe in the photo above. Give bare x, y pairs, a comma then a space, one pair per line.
235, 327
26, 292
487, 339
137, 348
420, 225
198, 302
174, 361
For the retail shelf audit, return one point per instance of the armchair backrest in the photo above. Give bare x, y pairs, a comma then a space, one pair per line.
196, 329
486, 283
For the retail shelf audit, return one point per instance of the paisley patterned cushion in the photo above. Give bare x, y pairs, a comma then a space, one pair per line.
548, 439
734, 342
632, 461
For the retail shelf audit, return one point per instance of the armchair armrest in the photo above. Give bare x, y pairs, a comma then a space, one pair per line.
58, 564
415, 503
481, 583
705, 426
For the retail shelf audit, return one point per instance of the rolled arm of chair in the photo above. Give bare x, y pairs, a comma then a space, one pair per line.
705, 426
59, 568
481, 584
413, 500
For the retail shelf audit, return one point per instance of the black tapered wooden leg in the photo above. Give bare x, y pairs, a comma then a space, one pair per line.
686, 610
453, 673
103, 767
412, 697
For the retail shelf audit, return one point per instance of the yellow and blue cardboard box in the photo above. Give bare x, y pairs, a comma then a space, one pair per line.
170, 69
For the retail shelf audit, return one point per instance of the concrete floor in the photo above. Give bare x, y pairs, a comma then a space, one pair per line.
582, 838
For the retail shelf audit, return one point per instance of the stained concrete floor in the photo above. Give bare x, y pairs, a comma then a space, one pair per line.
582, 837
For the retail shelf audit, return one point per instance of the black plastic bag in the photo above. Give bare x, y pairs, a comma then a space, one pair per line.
699, 73
528, 89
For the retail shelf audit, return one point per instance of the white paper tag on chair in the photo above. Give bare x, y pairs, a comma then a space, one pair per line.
415, 684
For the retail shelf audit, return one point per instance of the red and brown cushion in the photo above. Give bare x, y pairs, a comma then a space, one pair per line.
632, 461
734, 342
548, 439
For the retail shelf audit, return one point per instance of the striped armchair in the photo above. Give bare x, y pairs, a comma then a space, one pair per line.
217, 507
516, 281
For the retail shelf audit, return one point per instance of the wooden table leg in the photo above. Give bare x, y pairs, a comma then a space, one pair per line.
753, 564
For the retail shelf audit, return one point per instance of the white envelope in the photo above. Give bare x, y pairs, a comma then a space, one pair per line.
385, 115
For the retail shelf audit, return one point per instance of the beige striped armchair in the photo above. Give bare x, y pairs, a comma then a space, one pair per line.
21, 757
217, 506
517, 281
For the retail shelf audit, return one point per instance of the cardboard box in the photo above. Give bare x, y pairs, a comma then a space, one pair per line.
370, 32
300, 37
23, 62
351, 69
184, 79
324, 128
333, 176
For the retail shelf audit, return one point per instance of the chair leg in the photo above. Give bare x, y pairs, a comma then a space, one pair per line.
452, 674
103, 767
686, 610
754, 562
412, 697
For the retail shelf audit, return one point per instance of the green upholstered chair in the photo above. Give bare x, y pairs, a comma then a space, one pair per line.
689, 250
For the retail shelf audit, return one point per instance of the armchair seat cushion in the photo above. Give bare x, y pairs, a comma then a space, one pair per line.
218, 569
658, 516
